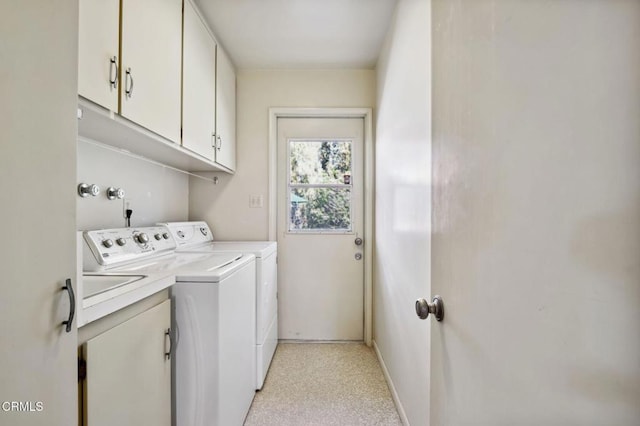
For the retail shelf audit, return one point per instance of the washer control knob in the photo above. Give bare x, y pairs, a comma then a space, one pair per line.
107, 243
121, 241
204, 231
142, 238
165, 236
157, 237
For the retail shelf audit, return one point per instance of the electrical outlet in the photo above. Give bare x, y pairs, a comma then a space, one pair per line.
127, 204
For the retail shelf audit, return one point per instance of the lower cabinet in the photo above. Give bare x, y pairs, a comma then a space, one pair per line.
128, 372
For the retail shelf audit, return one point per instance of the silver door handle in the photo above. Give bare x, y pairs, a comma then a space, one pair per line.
72, 305
167, 334
113, 76
424, 308
128, 88
358, 241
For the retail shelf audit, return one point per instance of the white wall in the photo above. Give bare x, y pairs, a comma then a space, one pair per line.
403, 206
226, 206
156, 193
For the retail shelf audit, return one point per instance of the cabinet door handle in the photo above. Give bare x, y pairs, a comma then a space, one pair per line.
214, 144
219, 144
72, 305
167, 333
113, 72
128, 89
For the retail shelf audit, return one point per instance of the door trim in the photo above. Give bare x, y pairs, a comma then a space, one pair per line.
366, 115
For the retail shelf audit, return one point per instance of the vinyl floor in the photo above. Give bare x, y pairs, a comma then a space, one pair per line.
313, 384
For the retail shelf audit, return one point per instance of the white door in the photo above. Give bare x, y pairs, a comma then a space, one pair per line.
536, 221
320, 216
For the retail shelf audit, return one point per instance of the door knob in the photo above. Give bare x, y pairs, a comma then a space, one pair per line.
358, 241
424, 308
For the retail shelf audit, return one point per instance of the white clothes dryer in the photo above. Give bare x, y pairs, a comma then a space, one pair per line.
197, 237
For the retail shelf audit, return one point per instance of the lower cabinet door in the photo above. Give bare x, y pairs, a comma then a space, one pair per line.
128, 381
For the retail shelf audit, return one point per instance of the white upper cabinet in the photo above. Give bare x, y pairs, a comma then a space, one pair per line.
98, 51
198, 85
225, 112
151, 65
132, 56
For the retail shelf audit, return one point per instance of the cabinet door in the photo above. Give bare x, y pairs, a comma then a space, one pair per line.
198, 85
151, 62
39, 92
226, 112
128, 375
98, 38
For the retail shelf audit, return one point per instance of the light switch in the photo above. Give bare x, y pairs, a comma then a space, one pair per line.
255, 201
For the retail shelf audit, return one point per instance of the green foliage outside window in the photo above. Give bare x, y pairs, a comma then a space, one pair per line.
320, 163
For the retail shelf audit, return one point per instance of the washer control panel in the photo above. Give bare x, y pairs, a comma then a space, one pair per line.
106, 247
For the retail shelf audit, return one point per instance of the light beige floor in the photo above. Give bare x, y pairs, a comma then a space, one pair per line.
324, 384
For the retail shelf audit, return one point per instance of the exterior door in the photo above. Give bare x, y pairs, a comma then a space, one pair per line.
536, 221
320, 216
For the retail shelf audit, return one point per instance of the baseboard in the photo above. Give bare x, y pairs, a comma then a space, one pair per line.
359, 342
392, 388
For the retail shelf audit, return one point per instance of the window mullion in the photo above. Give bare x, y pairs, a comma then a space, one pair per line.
319, 185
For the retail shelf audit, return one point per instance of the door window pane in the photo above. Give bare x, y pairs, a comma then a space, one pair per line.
320, 162
320, 209
319, 185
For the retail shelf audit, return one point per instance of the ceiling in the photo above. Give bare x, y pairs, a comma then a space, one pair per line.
300, 33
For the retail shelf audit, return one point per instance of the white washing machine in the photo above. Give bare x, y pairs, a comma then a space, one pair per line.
213, 325
197, 237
